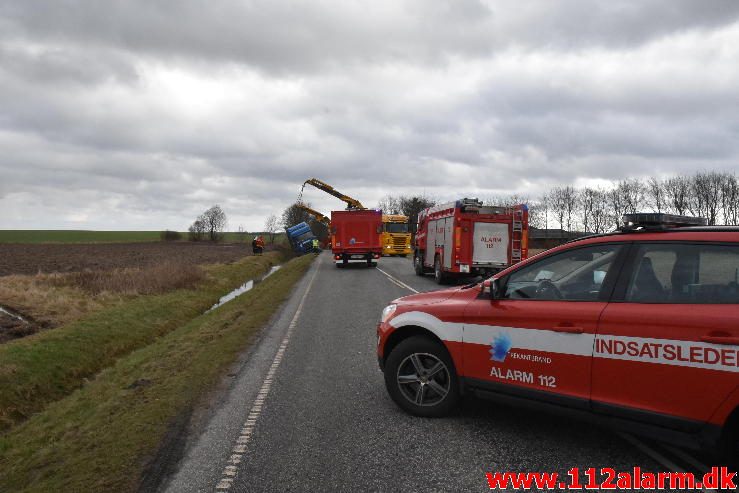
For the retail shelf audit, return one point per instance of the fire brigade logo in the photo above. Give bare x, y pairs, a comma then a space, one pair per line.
500, 346
352, 241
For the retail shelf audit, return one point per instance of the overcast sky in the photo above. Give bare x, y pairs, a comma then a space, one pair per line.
141, 114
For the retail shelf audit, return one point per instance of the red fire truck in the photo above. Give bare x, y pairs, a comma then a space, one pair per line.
355, 236
466, 239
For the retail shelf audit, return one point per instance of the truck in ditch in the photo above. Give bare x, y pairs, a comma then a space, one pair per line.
355, 237
301, 238
467, 239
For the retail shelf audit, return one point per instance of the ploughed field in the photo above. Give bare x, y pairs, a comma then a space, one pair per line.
31, 259
45, 286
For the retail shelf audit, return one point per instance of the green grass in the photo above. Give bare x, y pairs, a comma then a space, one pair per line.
77, 236
103, 437
81, 236
47, 366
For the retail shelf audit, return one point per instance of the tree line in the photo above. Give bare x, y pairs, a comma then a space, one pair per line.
709, 194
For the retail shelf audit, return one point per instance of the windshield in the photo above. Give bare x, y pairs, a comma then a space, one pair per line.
396, 227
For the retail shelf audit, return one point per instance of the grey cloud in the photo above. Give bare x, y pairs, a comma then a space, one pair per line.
141, 114
288, 37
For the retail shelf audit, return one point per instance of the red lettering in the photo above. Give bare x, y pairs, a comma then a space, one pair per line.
695, 353
729, 357
711, 356
669, 352
619, 347
680, 354
633, 348
646, 351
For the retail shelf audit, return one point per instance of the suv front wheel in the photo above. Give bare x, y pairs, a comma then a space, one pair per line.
421, 379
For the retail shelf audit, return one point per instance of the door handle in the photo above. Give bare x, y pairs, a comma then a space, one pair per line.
568, 329
728, 340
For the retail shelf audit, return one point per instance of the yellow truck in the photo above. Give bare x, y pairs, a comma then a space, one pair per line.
396, 237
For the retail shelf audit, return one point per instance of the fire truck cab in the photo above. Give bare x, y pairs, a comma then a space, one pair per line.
466, 239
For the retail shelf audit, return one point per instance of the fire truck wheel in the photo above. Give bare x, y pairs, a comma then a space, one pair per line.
421, 379
439, 275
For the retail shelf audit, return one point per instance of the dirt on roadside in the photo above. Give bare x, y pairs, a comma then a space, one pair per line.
32, 259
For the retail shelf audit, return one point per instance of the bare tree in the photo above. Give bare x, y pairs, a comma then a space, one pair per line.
656, 195
294, 215
270, 227
587, 198
389, 205
707, 195
558, 206
214, 221
677, 193
730, 199
539, 218
617, 205
632, 192
411, 206
538, 213
506, 201
601, 214
564, 205
197, 230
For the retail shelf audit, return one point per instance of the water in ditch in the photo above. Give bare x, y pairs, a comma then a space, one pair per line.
247, 286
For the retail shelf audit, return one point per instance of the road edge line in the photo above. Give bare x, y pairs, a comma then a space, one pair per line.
240, 446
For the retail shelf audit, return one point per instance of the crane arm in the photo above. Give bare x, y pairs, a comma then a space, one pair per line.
351, 203
320, 217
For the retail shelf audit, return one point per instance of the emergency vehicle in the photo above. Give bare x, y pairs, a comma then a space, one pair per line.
638, 328
466, 239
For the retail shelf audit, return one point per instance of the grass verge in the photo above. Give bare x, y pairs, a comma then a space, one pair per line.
103, 436
47, 366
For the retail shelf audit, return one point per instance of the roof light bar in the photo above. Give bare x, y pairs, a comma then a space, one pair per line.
652, 221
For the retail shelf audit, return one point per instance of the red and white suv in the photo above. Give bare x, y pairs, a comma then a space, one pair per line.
639, 327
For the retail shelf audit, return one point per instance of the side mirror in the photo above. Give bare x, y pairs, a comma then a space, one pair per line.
491, 287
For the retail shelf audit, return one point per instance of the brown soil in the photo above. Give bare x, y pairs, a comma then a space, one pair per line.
13, 328
46, 258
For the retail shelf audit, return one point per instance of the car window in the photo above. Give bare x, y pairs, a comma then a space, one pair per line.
573, 275
687, 273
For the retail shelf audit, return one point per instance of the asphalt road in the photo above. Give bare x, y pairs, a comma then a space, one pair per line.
308, 410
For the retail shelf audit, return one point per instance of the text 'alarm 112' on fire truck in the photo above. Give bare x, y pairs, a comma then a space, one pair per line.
467, 239
638, 328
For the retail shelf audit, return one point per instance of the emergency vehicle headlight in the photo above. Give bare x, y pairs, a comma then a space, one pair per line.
388, 311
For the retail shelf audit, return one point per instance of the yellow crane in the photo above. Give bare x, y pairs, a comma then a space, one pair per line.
351, 203
319, 217
395, 237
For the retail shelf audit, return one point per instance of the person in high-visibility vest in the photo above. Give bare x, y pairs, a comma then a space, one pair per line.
316, 248
260, 245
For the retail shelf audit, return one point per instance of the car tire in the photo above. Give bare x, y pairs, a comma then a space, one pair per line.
420, 377
439, 275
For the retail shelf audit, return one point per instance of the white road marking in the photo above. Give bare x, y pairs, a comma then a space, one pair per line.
242, 441
659, 458
396, 281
